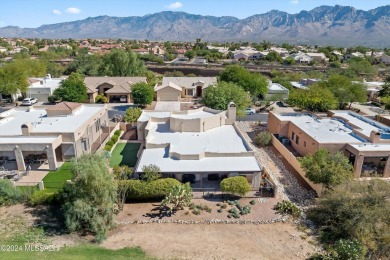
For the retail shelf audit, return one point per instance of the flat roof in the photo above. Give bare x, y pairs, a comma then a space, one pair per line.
194, 115
370, 147
11, 125
324, 130
146, 115
366, 125
222, 139
48, 83
207, 164
28, 140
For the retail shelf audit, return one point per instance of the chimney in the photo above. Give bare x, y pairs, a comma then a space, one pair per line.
26, 128
375, 136
231, 113
47, 77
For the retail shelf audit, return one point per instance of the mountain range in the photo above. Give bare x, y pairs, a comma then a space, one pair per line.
334, 25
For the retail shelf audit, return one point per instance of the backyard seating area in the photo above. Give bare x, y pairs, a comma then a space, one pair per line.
11, 175
36, 158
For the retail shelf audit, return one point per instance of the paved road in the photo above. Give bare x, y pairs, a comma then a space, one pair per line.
263, 117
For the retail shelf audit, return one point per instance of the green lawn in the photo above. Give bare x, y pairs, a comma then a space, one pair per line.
55, 180
78, 252
124, 154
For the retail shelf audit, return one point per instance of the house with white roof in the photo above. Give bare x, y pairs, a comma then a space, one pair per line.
52, 135
3, 49
365, 142
175, 88
276, 91
385, 59
198, 143
42, 88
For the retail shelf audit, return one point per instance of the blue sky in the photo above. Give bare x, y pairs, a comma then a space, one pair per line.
33, 13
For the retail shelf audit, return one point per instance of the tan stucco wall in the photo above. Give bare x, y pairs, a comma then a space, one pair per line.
168, 91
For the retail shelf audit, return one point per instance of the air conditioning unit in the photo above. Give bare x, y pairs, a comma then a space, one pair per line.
285, 141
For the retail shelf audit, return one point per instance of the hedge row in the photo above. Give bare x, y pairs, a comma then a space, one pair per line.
112, 141
142, 190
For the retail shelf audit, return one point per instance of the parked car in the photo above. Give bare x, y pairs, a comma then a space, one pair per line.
250, 111
29, 101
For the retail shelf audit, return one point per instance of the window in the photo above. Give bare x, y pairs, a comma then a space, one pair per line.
97, 124
297, 140
293, 136
190, 92
304, 144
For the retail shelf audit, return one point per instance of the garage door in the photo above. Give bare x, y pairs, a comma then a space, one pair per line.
40, 97
167, 96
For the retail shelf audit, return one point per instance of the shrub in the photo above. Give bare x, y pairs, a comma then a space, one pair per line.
263, 139
42, 197
235, 185
108, 147
132, 114
9, 195
114, 138
224, 206
196, 211
287, 207
101, 99
252, 202
141, 190
220, 210
110, 143
52, 99
348, 249
117, 132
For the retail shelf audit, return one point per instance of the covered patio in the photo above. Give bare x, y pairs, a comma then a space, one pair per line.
369, 160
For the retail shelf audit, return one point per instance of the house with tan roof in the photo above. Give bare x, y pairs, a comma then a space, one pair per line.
116, 89
174, 88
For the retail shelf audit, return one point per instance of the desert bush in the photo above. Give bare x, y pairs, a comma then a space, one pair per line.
348, 249
142, 190
9, 195
263, 139
252, 202
42, 197
235, 185
287, 207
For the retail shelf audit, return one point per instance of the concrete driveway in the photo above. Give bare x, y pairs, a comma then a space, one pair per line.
167, 106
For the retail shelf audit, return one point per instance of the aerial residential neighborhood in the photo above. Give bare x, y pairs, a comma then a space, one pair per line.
180, 130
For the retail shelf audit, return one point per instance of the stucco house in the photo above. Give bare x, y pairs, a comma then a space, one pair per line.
174, 88
116, 89
202, 143
54, 134
42, 88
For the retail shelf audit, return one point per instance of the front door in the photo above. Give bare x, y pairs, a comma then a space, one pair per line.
199, 91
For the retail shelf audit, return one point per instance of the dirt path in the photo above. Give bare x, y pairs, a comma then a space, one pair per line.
216, 241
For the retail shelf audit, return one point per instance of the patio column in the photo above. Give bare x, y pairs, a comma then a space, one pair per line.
51, 158
19, 159
386, 170
358, 165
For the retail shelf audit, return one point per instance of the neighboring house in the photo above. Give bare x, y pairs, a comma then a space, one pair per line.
3, 49
365, 142
42, 88
116, 89
301, 57
248, 53
317, 57
276, 92
140, 51
354, 55
304, 83
157, 50
54, 134
17, 50
174, 88
281, 51
202, 143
